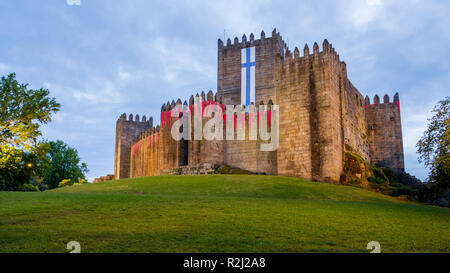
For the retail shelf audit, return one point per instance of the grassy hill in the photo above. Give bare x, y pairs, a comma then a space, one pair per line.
218, 213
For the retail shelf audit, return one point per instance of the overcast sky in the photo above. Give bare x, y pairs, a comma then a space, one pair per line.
102, 58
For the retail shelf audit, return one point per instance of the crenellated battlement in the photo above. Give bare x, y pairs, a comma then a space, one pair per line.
135, 119
321, 116
299, 60
284, 51
386, 100
203, 100
276, 39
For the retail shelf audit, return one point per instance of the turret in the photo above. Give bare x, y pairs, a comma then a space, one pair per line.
385, 132
127, 131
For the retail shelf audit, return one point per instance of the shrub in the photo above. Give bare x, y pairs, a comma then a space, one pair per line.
383, 188
388, 172
68, 182
28, 188
225, 169
81, 181
38, 182
376, 180
400, 189
65, 183
378, 172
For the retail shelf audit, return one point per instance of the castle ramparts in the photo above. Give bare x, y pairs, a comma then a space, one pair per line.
321, 115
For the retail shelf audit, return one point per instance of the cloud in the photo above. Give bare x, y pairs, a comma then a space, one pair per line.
235, 16
73, 2
373, 2
99, 92
362, 13
3, 68
93, 92
177, 60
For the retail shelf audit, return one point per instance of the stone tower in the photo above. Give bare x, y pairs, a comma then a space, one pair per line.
245, 154
267, 50
384, 129
127, 131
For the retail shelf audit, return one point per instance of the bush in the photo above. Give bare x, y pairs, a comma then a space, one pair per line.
388, 172
81, 181
377, 180
65, 183
68, 182
381, 188
407, 180
432, 193
225, 169
378, 172
28, 188
399, 189
38, 182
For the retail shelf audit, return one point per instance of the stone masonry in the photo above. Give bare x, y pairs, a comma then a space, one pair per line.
321, 116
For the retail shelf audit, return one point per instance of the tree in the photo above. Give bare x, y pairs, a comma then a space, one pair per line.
434, 147
22, 112
64, 164
19, 167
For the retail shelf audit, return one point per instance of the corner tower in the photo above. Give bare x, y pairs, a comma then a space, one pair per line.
385, 132
127, 131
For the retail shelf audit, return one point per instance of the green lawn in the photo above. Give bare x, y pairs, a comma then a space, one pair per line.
218, 213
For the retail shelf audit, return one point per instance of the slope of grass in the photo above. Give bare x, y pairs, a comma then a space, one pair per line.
218, 213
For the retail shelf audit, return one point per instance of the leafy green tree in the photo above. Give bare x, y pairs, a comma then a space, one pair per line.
64, 164
434, 147
22, 112
18, 167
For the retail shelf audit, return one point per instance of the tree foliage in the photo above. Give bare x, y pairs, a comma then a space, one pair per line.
18, 167
64, 164
434, 146
69, 182
23, 158
22, 111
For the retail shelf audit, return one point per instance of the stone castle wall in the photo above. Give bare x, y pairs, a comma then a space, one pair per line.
322, 115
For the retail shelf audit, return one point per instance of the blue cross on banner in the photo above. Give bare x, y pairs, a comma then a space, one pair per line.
247, 76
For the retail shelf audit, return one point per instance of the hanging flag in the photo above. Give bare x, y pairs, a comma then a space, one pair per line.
247, 76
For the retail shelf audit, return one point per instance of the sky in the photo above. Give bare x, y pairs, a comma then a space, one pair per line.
102, 58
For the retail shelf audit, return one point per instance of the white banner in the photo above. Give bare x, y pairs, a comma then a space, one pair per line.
247, 76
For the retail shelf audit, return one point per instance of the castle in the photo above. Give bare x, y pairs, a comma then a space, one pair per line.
321, 116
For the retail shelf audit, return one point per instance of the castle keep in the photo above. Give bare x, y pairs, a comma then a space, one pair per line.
321, 116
